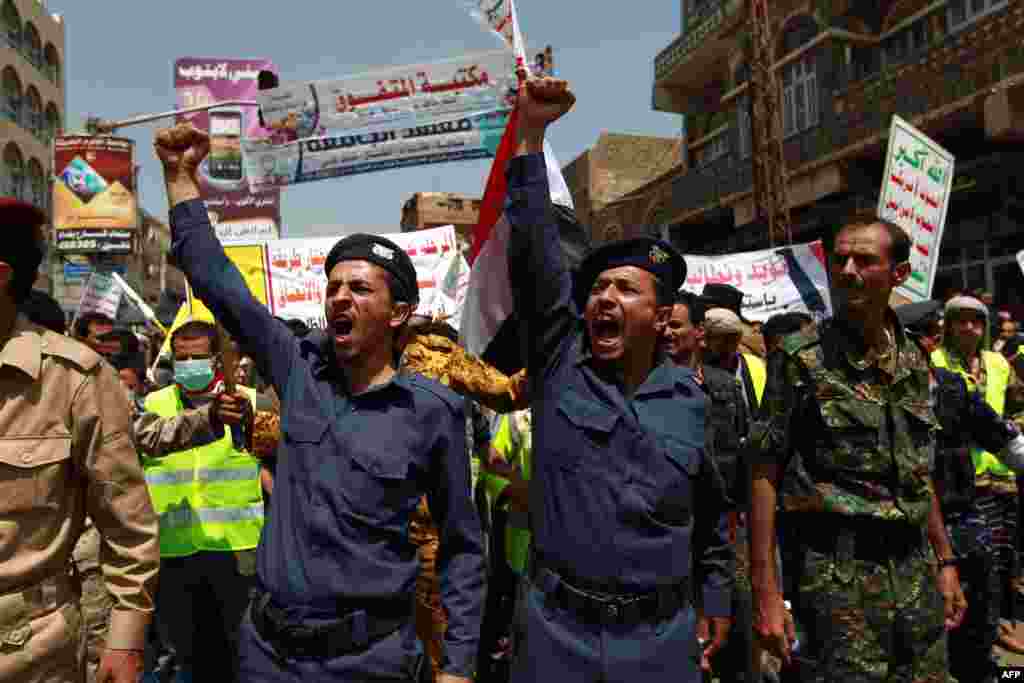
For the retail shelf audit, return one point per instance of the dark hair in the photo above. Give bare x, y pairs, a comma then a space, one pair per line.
23, 251
87, 320
129, 361
784, 324
899, 240
693, 306
43, 310
198, 328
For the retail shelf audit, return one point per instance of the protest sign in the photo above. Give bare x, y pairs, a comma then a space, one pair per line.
915, 195
236, 212
297, 282
102, 295
94, 204
1020, 260
780, 280
288, 275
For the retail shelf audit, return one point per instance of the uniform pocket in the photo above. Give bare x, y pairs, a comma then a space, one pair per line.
34, 474
592, 421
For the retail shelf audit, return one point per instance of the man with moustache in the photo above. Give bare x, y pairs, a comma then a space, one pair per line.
336, 569
624, 497
843, 454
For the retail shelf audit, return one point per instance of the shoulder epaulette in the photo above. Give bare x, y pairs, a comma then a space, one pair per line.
58, 345
446, 395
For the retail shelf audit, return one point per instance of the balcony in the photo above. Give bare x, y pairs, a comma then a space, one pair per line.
946, 88
685, 63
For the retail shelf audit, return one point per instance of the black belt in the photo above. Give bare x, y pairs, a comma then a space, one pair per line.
354, 631
601, 607
862, 538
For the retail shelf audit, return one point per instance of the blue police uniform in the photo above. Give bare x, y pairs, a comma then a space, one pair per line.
624, 497
335, 567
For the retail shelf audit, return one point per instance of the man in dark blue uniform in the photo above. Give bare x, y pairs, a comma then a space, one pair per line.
624, 498
335, 566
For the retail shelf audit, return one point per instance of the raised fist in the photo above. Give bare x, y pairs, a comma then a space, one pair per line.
542, 101
181, 150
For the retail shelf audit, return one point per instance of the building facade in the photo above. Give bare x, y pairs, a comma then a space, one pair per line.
426, 210
953, 68
617, 166
32, 105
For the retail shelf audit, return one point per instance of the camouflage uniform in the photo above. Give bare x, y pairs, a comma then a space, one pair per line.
966, 421
854, 434
727, 435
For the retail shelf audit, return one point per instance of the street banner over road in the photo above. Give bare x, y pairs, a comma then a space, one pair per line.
779, 280
915, 195
236, 212
403, 116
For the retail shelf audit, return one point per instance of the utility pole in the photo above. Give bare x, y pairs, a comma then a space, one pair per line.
771, 196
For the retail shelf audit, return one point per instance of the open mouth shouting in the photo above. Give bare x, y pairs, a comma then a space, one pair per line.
341, 326
606, 334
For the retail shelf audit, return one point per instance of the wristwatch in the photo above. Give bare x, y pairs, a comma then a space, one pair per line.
949, 562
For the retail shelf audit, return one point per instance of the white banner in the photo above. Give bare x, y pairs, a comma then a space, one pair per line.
915, 195
297, 281
780, 280
101, 295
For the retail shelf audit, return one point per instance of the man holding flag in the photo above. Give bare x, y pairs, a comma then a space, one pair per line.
624, 497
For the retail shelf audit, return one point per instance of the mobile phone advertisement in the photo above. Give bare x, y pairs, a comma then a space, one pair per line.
237, 211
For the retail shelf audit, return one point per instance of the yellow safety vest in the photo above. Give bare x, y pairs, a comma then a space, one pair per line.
758, 373
997, 371
207, 498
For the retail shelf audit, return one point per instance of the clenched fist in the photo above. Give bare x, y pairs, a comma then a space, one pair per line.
542, 101
181, 150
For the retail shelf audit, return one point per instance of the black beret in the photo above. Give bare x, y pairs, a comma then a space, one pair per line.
782, 324
723, 296
655, 256
915, 318
382, 252
42, 309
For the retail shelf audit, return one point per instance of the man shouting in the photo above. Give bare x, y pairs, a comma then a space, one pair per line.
362, 443
624, 498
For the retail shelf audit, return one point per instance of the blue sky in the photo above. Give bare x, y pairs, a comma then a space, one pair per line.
119, 64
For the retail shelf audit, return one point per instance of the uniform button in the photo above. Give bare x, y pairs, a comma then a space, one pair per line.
26, 457
612, 611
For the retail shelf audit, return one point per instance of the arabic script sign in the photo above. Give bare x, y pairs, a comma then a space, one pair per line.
915, 195
781, 280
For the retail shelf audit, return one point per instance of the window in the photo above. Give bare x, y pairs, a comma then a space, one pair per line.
33, 46
714, 150
10, 108
743, 127
52, 121
14, 172
800, 97
36, 184
52, 63
12, 24
33, 112
963, 13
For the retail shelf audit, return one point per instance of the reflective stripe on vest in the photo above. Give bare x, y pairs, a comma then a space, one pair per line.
997, 372
758, 374
207, 498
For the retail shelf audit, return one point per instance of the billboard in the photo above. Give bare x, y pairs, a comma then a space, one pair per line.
94, 203
236, 212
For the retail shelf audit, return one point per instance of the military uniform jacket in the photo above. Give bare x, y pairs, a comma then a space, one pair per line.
848, 443
65, 451
966, 420
623, 492
728, 431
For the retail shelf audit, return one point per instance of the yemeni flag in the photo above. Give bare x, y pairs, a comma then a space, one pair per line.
489, 328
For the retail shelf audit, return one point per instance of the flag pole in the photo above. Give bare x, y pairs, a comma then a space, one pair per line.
112, 126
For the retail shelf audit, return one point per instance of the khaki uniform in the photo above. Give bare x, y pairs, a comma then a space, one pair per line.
65, 452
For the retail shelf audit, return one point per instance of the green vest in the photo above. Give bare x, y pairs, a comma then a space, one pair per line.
207, 498
997, 371
517, 451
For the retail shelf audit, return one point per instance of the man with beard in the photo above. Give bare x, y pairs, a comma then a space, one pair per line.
843, 454
624, 497
335, 567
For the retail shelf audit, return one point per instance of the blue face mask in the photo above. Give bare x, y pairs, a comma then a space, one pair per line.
194, 375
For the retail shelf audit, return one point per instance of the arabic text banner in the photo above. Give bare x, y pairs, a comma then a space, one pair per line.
250, 259
94, 189
236, 212
297, 282
404, 116
915, 195
780, 280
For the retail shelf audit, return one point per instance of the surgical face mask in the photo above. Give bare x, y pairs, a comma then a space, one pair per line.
194, 375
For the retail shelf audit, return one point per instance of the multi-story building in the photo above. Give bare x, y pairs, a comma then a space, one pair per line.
436, 209
953, 68
32, 102
614, 167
